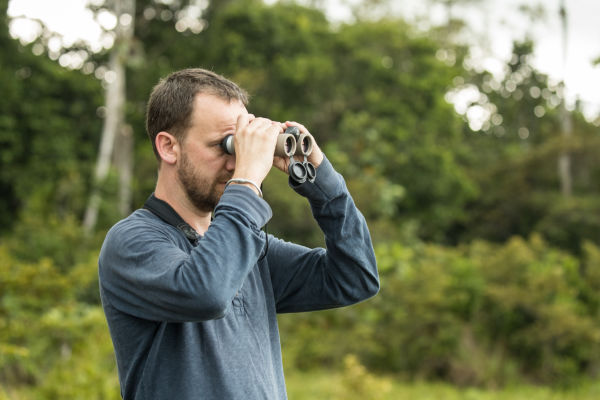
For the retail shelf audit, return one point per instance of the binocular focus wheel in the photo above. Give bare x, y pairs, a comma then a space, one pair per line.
293, 130
298, 172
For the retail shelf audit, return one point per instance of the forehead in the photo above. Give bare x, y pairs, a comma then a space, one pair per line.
212, 112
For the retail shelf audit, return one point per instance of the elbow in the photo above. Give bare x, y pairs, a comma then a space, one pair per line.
370, 276
370, 283
217, 312
218, 307
366, 290
211, 306
372, 286
361, 283
363, 289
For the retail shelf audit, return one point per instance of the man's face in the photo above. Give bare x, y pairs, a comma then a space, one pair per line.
204, 168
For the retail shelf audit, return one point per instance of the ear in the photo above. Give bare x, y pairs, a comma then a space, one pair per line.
168, 147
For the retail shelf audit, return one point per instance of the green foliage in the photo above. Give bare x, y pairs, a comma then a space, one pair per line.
383, 140
50, 335
329, 385
492, 310
479, 314
48, 135
514, 161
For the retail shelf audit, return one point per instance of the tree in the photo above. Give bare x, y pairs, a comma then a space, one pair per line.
115, 127
396, 127
47, 118
564, 161
514, 153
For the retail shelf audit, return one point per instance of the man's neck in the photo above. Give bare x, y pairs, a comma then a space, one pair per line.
176, 198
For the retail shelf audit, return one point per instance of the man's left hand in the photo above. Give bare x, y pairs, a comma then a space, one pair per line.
315, 157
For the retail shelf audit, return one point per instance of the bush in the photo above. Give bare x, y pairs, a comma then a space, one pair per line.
481, 314
53, 344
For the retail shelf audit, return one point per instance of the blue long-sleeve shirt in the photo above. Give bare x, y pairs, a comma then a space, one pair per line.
199, 322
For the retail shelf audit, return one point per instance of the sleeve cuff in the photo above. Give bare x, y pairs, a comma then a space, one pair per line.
328, 184
244, 200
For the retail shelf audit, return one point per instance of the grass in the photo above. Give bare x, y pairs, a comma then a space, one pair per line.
326, 385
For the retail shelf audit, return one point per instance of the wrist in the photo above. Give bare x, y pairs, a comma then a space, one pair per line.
251, 173
246, 182
316, 157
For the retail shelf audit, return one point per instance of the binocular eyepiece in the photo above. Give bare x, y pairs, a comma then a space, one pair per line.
289, 143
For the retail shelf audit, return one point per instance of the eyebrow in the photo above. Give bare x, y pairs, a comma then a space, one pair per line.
223, 129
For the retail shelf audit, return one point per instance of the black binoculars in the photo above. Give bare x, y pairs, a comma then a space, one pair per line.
289, 143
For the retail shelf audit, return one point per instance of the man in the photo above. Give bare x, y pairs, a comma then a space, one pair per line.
190, 285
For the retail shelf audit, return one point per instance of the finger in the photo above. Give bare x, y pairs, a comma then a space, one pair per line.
277, 126
260, 123
266, 126
242, 121
301, 127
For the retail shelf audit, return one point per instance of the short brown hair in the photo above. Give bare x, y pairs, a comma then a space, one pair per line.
172, 99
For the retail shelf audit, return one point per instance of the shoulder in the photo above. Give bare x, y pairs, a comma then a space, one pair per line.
139, 222
139, 230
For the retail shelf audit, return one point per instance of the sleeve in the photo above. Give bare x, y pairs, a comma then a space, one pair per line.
342, 274
144, 273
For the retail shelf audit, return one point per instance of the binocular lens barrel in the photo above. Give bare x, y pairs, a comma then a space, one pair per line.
304, 145
304, 142
289, 143
227, 145
285, 147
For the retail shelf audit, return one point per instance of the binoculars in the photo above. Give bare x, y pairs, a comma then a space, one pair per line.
289, 143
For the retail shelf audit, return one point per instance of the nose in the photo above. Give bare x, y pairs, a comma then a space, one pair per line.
230, 162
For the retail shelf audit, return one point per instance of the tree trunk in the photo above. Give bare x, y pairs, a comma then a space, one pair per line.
124, 163
114, 129
564, 160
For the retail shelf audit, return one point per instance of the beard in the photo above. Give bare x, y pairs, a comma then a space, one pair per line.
201, 192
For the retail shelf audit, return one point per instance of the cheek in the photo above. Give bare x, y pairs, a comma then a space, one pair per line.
229, 163
208, 161
205, 158
214, 167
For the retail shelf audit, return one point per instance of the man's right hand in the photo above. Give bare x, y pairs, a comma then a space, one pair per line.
254, 141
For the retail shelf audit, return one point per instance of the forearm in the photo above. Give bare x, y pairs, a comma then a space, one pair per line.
146, 274
343, 273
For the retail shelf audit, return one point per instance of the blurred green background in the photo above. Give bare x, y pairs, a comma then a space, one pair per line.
487, 237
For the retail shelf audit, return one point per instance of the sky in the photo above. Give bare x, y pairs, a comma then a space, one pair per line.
495, 24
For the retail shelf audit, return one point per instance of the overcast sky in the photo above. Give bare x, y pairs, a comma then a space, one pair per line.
497, 21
